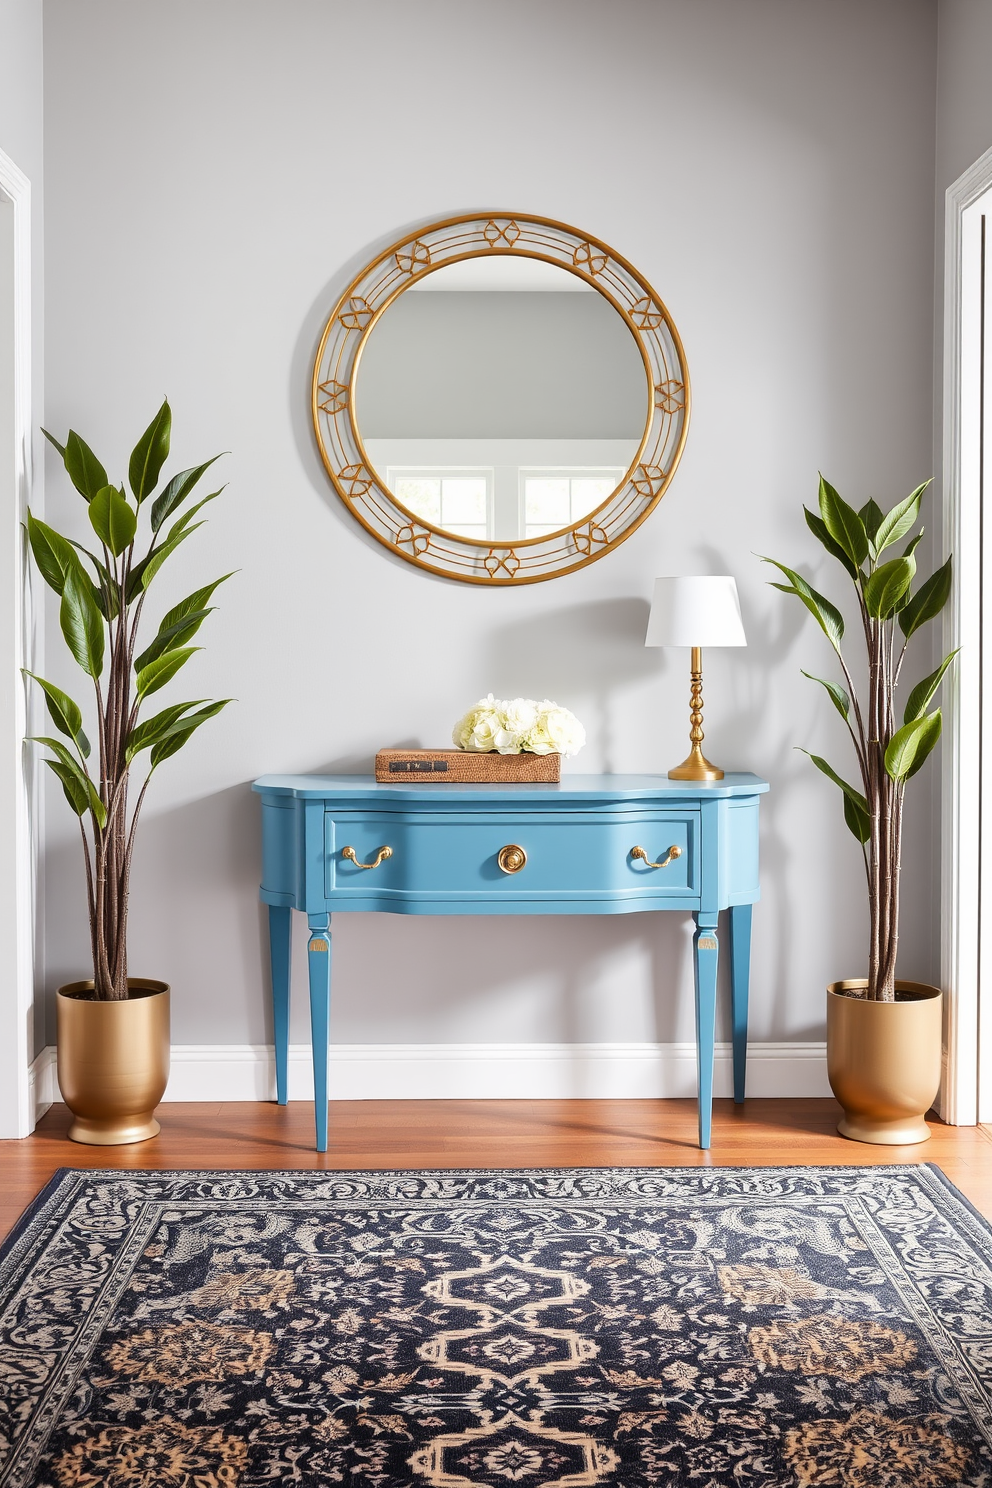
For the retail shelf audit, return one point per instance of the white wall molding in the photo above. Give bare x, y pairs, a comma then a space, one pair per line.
43, 1085
17, 875
203, 1072
961, 766
246, 1072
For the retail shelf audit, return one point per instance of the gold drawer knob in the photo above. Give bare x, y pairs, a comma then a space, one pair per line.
673, 852
349, 853
511, 858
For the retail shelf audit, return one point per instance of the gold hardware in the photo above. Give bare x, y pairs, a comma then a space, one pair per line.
384, 852
696, 766
479, 560
511, 858
673, 852
317, 945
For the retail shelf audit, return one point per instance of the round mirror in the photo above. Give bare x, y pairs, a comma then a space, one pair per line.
500, 399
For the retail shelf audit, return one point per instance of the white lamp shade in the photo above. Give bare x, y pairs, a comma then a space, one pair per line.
702, 610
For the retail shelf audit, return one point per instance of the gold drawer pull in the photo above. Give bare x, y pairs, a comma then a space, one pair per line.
511, 858
384, 852
673, 852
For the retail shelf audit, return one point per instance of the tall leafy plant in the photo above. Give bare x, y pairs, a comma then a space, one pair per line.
888, 753
102, 598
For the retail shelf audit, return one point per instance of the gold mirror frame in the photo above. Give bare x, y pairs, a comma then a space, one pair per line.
479, 561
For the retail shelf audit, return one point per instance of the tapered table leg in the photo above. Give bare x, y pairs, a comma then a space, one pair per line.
740, 977
706, 952
280, 958
319, 961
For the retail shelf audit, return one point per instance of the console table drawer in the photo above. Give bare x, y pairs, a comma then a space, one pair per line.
436, 854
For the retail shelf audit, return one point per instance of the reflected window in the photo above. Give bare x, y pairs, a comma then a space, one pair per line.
553, 499
460, 501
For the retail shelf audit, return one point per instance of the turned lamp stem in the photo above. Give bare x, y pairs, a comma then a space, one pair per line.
696, 766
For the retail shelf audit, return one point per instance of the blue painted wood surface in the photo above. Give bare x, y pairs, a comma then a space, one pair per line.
445, 841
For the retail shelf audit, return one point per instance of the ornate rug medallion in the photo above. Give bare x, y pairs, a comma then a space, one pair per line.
543, 1329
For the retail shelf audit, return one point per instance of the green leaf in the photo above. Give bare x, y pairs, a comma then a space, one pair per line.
886, 587
843, 524
52, 440
927, 602
84, 785
187, 517
827, 616
899, 520
859, 821
82, 624
157, 673
135, 580
818, 527
857, 817
85, 471
195, 601
151, 565
76, 784
53, 553
837, 694
108, 592
171, 636
63, 711
176, 492
179, 733
919, 699
113, 520
910, 745
74, 791
913, 544
150, 454
871, 514
147, 733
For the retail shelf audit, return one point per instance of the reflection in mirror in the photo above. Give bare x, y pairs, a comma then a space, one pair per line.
501, 398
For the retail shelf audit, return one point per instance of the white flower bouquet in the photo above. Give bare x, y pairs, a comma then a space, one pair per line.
518, 726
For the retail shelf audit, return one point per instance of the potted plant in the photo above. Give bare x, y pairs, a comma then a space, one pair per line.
113, 1029
883, 1035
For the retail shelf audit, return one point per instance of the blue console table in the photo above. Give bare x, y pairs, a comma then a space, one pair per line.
595, 844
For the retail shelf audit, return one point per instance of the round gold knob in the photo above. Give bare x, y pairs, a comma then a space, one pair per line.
511, 858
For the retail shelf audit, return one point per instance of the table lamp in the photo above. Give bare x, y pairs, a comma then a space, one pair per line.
699, 611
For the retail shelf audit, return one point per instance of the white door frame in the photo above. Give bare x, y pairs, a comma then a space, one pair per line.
962, 767
17, 858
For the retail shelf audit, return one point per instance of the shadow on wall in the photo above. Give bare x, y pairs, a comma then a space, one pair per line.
589, 650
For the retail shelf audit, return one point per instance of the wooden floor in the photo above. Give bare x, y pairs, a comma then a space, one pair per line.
488, 1134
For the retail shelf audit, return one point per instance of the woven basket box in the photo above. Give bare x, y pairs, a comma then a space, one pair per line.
464, 767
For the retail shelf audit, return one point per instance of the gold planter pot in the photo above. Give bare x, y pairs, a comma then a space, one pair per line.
883, 1061
113, 1061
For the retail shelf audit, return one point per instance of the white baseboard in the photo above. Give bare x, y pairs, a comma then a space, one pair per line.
43, 1087
246, 1072
492, 1071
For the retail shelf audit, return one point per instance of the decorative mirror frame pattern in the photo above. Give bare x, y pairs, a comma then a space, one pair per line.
478, 561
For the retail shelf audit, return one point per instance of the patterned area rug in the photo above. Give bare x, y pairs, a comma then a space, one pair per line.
540, 1329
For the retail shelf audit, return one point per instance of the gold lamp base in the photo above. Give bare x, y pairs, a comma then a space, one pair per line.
696, 766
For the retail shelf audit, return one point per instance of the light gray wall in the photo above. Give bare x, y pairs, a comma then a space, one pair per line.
213, 184
22, 139
964, 94
501, 365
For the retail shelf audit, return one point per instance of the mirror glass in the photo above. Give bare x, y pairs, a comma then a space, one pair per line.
501, 398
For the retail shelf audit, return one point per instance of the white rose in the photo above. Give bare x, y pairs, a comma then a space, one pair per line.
478, 729
517, 717
556, 731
